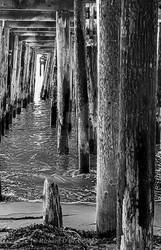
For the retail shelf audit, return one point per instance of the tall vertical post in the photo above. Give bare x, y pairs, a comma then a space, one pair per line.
138, 47
4, 72
1, 29
81, 87
63, 79
158, 120
107, 118
13, 90
44, 92
54, 89
25, 75
18, 77
32, 76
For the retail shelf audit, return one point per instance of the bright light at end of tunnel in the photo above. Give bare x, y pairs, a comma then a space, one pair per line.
39, 80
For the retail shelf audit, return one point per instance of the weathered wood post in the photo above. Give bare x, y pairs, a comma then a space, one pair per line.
137, 124
0, 191
25, 75
92, 94
44, 93
107, 118
54, 89
18, 77
158, 77
13, 89
52, 211
4, 72
28, 80
63, 79
22, 77
91, 47
1, 29
32, 77
81, 87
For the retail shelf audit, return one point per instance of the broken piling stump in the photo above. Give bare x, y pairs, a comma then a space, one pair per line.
52, 211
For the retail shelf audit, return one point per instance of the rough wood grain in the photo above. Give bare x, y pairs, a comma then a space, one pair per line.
81, 87
52, 211
108, 107
137, 124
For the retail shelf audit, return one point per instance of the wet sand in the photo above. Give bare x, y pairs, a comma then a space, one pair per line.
76, 215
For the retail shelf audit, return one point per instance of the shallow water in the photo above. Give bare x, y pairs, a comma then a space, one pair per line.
28, 154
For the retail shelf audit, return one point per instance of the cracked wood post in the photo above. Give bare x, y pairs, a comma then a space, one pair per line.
159, 66
1, 197
18, 77
107, 125
13, 89
25, 75
92, 94
54, 89
138, 49
63, 79
81, 87
32, 77
158, 120
46, 87
4, 72
22, 77
44, 93
27, 79
30, 72
52, 211
1, 29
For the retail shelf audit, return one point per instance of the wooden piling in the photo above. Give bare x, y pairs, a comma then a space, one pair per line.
5, 101
44, 92
138, 42
54, 89
13, 89
107, 118
18, 78
52, 211
32, 76
81, 87
63, 79
0, 191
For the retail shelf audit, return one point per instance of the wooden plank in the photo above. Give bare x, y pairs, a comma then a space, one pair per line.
37, 4
40, 43
35, 34
40, 4
31, 24
30, 29
36, 38
27, 15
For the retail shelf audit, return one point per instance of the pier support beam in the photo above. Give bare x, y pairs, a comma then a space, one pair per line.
32, 76
5, 100
92, 95
1, 29
18, 77
81, 87
107, 125
14, 86
44, 91
137, 124
54, 89
63, 79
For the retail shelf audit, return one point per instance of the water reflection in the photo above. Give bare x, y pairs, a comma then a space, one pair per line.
28, 154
